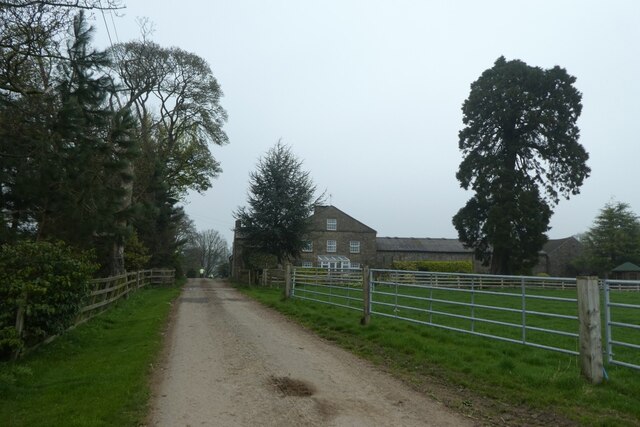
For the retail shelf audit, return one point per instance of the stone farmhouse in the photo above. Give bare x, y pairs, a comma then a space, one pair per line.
337, 240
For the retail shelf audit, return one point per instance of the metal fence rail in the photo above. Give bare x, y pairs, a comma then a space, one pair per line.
622, 323
342, 288
535, 311
540, 312
464, 280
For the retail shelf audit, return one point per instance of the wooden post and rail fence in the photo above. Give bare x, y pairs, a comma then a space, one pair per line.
108, 290
105, 292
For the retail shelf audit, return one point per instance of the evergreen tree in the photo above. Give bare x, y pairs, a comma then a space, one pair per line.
613, 239
96, 140
68, 148
521, 154
281, 200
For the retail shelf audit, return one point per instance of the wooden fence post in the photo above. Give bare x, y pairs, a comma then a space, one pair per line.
287, 280
366, 297
20, 323
590, 329
126, 285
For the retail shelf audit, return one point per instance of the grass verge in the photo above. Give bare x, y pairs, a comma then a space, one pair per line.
94, 375
491, 381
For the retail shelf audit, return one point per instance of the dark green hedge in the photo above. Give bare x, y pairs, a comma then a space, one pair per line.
434, 266
49, 281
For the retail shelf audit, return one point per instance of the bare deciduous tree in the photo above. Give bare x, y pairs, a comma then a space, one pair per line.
208, 249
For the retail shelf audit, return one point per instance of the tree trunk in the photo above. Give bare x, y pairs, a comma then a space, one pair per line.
117, 254
117, 258
500, 262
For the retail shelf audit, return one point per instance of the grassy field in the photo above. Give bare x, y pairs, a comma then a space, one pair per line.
505, 380
451, 308
94, 375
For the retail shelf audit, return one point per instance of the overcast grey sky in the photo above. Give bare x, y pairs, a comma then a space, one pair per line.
369, 94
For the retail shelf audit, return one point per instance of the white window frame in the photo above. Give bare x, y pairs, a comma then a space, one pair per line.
332, 224
307, 264
308, 246
355, 265
354, 246
332, 246
335, 265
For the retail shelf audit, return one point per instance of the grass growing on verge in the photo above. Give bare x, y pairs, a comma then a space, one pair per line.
94, 375
512, 375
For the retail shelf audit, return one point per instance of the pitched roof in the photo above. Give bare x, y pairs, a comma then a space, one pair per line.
318, 208
627, 267
555, 244
427, 244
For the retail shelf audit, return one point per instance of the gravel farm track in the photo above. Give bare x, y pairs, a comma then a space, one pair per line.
229, 361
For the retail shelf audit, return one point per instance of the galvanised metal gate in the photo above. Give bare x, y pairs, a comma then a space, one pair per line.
535, 311
622, 322
339, 287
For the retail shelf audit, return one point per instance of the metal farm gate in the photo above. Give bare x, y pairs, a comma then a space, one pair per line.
622, 322
540, 312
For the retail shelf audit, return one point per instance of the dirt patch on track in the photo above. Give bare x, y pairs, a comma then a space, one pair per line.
291, 387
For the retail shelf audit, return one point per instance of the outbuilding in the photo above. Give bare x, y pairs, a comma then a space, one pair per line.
626, 271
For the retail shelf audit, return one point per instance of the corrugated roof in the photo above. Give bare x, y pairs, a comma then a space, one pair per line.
427, 244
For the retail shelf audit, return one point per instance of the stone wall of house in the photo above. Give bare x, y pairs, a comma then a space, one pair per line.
319, 240
347, 229
542, 267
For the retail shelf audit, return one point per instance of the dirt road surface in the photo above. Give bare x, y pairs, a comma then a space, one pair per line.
231, 362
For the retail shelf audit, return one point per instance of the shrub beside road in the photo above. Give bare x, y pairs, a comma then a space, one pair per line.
94, 375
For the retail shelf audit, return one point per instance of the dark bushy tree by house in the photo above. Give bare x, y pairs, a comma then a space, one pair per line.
613, 239
521, 154
280, 202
